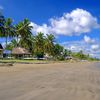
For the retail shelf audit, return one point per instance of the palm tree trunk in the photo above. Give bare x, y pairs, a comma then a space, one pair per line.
17, 41
6, 42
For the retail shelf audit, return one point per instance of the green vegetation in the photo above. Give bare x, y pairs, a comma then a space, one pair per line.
38, 45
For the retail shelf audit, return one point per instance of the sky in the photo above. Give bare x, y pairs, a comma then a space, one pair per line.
75, 23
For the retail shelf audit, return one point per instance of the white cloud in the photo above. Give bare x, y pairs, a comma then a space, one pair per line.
77, 22
74, 23
91, 49
37, 28
95, 47
89, 40
95, 44
73, 47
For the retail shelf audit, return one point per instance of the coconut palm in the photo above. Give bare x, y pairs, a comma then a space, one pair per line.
23, 29
49, 44
27, 42
8, 29
58, 50
11, 45
39, 45
2, 21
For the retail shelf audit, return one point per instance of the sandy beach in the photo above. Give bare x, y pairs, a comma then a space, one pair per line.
54, 81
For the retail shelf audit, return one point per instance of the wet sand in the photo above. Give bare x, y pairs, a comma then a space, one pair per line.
57, 81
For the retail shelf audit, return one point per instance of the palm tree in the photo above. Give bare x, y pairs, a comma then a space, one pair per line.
2, 21
49, 44
11, 45
8, 29
58, 50
27, 42
23, 29
39, 45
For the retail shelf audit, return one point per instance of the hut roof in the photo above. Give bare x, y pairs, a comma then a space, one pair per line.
1, 48
19, 50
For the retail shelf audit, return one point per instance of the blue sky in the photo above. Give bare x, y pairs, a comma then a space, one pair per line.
46, 15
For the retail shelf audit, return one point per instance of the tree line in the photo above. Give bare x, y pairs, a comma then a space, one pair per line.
38, 45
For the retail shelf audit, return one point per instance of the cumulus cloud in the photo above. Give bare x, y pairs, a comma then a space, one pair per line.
75, 46
95, 47
74, 23
91, 49
37, 28
89, 40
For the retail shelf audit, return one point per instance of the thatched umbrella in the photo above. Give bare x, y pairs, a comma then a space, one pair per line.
20, 52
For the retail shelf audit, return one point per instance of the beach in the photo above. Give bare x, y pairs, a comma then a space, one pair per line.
51, 81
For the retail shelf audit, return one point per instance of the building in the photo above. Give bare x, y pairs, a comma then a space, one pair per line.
20, 52
1, 51
6, 54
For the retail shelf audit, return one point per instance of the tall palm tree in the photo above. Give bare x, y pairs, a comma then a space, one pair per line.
58, 50
11, 45
27, 42
2, 21
39, 45
49, 44
8, 29
23, 29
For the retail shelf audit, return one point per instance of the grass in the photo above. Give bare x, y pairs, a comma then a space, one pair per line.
28, 61
23, 61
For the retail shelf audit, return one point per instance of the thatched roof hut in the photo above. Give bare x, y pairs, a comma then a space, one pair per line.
20, 51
